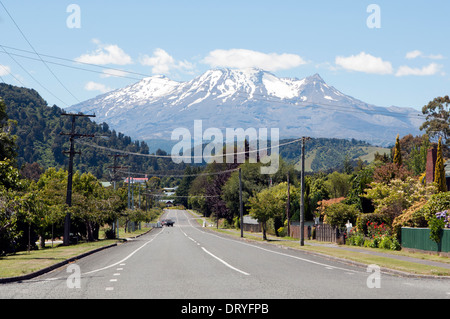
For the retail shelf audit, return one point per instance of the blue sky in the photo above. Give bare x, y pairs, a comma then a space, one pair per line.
402, 61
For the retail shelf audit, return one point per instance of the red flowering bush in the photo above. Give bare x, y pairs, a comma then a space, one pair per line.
377, 231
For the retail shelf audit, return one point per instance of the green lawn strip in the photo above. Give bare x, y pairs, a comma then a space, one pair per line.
137, 232
23, 263
383, 262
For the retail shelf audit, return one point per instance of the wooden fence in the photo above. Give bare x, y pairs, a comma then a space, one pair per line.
295, 231
321, 232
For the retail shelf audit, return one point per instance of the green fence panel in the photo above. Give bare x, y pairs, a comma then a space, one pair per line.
419, 238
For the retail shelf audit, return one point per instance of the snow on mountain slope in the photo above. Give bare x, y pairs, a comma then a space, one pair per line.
243, 98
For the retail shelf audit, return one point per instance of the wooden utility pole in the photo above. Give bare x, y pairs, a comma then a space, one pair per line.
288, 208
71, 153
115, 168
241, 207
302, 204
114, 180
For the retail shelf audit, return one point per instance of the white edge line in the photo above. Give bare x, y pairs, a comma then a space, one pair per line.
225, 263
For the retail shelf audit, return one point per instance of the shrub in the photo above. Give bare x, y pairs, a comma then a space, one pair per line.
364, 220
282, 231
355, 238
385, 242
338, 214
377, 231
412, 217
395, 245
436, 203
437, 223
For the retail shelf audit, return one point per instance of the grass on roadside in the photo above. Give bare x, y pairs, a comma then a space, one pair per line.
23, 263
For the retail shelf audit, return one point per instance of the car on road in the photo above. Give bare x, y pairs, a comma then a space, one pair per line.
169, 222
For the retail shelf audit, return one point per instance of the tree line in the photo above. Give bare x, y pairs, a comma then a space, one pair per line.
34, 208
37, 127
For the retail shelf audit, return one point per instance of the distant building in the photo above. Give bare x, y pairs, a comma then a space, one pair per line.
136, 180
169, 191
168, 202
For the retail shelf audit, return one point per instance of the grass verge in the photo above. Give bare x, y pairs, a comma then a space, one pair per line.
23, 263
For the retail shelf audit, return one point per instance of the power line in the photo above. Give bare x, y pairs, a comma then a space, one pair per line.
31, 76
32, 47
77, 68
8, 72
180, 175
79, 62
184, 157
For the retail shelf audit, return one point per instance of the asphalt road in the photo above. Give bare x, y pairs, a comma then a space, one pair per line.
188, 262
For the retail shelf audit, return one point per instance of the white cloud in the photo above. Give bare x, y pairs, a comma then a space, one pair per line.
4, 70
416, 54
430, 69
163, 63
242, 58
364, 62
106, 54
94, 86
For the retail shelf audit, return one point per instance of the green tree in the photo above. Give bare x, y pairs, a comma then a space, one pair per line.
7, 140
338, 184
397, 152
439, 171
437, 122
418, 156
270, 203
252, 183
338, 214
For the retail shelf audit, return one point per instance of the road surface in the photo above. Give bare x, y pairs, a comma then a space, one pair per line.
188, 262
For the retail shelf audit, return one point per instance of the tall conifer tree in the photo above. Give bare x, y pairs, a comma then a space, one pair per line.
439, 171
397, 152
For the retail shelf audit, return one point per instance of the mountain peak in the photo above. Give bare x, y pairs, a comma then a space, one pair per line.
315, 77
251, 97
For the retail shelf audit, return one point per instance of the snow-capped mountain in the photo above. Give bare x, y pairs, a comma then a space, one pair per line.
232, 98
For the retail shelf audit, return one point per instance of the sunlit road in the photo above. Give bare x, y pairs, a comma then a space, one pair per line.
188, 262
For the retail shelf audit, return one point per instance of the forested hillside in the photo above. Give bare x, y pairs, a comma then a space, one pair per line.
327, 154
38, 127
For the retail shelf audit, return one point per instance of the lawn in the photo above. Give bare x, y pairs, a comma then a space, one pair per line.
23, 263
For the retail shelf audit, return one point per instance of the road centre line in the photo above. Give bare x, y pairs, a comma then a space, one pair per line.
121, 262
126, 258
